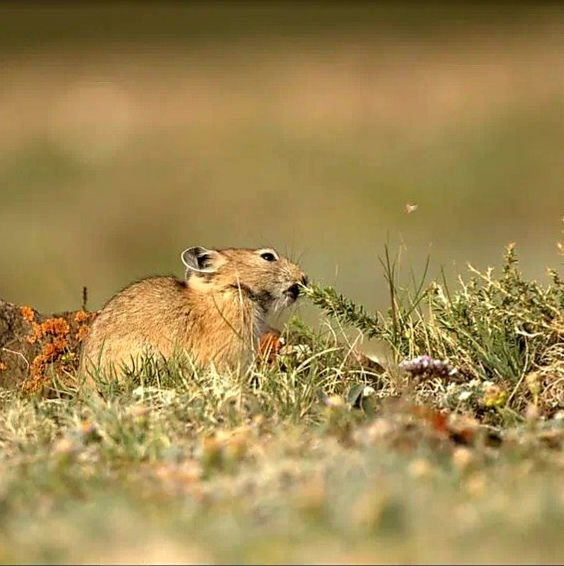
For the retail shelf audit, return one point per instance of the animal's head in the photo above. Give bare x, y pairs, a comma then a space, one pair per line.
262, 275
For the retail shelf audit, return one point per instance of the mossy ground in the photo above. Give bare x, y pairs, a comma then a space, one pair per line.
319, 456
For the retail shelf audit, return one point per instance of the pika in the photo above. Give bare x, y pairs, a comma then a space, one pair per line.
216, 314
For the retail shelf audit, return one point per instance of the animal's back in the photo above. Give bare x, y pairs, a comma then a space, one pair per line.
146, 316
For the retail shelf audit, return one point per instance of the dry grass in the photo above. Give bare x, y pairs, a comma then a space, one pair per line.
317, 456
222, 472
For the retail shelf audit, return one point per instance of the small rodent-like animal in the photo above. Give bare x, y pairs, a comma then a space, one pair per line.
216, 314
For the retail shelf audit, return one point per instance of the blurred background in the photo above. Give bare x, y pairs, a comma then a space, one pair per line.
129, 131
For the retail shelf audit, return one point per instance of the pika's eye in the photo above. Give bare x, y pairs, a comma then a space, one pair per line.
268, 256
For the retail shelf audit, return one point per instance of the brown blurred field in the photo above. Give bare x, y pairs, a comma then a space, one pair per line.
131, 131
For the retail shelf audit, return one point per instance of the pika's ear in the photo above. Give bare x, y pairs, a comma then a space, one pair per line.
201, 260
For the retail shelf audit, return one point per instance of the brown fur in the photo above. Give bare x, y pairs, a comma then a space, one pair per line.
216, 315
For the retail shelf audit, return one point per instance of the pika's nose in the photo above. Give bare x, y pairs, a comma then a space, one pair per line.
305, 280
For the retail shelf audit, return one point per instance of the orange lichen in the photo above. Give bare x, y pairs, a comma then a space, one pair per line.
57, 342
3, 366
52, 349
50, 327
55, 326
55, 330
28, 313
82, 333
36, 333
82, 316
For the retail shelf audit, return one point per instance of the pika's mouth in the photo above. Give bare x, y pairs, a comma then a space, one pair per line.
292, 292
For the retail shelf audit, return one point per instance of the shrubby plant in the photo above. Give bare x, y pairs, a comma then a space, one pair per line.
493, 328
